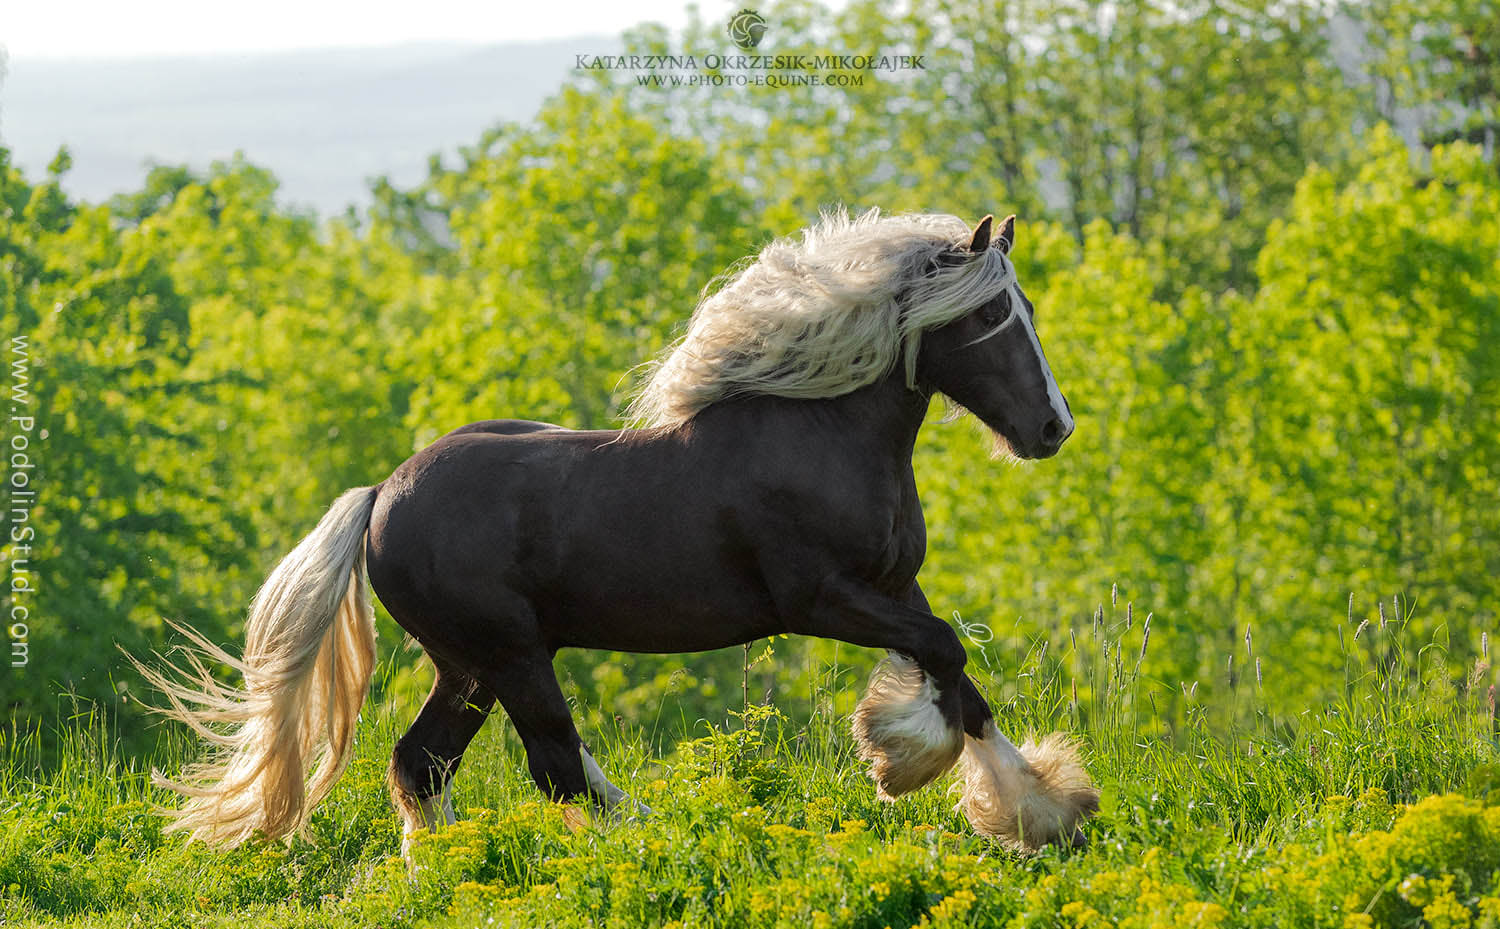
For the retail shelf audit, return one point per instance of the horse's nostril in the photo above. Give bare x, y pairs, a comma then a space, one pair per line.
1054, 432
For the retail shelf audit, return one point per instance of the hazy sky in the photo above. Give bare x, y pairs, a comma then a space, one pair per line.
66, 28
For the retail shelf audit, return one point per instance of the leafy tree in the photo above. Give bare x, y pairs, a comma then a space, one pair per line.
118, 533
1442, 60
1184, 124
579, 244
1389, 295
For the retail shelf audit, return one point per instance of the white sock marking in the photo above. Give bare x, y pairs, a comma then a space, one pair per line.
601, 786
435, 810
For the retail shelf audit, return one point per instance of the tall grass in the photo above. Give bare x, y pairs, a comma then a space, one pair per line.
769, 813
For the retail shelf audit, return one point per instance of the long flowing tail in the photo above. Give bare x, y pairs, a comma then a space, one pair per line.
309, 653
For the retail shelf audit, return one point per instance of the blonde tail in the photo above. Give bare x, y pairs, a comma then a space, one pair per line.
309, 653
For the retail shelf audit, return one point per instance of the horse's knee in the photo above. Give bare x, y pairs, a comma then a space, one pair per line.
943, 662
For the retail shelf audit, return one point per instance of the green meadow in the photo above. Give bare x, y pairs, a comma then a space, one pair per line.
1378, 808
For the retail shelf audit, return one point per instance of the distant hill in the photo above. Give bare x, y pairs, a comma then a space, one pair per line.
325, 121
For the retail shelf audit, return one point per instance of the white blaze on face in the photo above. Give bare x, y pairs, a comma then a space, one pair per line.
1054, 393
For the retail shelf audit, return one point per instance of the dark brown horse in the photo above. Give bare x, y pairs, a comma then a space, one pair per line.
770, 491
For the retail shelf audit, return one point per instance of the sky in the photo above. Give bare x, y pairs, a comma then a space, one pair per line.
126, 84
145, 28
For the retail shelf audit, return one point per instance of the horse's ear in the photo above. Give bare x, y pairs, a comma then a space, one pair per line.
1008, 233
981, 240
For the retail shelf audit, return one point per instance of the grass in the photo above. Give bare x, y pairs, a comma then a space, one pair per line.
1372, 810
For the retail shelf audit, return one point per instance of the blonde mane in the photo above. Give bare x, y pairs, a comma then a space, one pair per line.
823, 315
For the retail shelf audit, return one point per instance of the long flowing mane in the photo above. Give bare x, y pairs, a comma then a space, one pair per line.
823, 315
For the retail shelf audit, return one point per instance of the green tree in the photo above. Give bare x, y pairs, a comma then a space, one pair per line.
1183, 124
579, 242
1441, 60
1388, 296
120, 537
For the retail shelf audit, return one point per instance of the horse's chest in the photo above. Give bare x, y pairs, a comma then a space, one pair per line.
905, 546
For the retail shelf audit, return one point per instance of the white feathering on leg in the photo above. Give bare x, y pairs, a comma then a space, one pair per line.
610, 796
424, 814
901, 732
1026, 797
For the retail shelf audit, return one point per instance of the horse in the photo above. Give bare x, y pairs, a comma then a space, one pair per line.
765, 487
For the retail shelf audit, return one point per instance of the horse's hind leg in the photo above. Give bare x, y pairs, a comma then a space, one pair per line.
422, 765
555, 754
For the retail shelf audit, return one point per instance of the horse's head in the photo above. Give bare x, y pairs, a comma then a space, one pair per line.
990, 361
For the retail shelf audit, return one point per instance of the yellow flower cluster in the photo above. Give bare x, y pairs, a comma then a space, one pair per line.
1143, 896
1434, 865
1362, 864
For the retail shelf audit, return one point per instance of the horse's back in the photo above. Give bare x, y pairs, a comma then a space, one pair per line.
505, 427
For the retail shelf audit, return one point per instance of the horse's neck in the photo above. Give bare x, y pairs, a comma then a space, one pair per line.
878, 422
887, 412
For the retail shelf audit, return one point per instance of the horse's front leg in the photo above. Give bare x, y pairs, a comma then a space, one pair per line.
1029, 796
909, 725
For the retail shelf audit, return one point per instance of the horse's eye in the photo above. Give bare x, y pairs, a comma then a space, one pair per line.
996, 311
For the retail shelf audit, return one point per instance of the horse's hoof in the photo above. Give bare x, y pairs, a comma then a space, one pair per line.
574, 817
